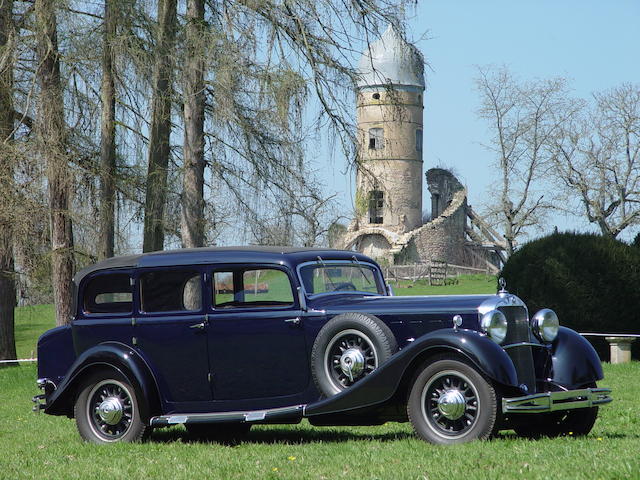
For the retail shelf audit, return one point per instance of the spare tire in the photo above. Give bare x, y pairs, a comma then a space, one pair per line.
348, 348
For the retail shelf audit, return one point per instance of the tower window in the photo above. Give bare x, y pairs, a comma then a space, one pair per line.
376, 138
376, 96
419, 140
376, 205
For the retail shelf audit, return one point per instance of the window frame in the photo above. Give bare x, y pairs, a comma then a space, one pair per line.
380, 283
376, 212
378, 140
238, 270
82, 313
138, 290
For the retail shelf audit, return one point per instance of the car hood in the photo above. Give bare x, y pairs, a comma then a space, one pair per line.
383, 304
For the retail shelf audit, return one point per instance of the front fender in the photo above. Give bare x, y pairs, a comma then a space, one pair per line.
382, 384
112, 355
575, 362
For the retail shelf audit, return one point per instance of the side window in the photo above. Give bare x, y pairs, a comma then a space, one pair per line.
170, 291
265, 287
110, 293
419, 140
376, 138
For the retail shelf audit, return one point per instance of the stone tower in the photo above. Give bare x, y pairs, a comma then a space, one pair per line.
389, 117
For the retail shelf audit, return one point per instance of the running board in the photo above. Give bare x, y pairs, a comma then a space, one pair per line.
291, 414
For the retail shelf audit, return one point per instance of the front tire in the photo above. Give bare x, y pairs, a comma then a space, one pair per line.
108, 410
451, 402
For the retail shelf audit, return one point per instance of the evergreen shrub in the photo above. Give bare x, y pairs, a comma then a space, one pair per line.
590, 281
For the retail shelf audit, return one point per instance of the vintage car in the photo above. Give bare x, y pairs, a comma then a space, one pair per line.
219, 339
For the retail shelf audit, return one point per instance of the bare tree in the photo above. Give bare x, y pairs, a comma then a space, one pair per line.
598, 159
159, 140
192, 212
107, 135
7, 279
52, 143
525, 119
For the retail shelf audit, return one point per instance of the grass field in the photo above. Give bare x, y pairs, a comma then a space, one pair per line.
40, 446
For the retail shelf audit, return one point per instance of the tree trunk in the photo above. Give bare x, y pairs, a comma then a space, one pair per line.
107, 138
159, 146
192, 219
7, 279
51, 136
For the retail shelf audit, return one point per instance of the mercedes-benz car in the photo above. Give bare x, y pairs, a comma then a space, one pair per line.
220, 339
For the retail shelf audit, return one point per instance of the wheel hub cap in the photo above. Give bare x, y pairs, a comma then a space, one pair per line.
451, 404
352, 362
110, 410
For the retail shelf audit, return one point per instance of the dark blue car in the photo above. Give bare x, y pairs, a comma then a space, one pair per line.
219, 339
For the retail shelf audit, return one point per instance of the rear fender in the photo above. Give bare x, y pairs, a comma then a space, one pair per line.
382, 384
110, 355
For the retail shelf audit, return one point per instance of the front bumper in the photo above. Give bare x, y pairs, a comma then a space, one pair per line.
554, 401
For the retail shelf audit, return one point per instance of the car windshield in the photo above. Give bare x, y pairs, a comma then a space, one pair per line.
325, 276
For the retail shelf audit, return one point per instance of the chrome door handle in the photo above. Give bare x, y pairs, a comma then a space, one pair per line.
294, 321
199, 326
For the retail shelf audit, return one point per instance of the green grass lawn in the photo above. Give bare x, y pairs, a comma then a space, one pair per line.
41, 446
467, 284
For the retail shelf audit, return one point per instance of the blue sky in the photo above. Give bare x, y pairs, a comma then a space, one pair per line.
593, 44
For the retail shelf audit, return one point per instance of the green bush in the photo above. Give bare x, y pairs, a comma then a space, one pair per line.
590, 281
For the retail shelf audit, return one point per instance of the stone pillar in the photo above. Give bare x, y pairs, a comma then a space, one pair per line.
620, 348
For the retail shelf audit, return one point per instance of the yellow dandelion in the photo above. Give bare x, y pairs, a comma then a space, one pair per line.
274, 469
291, 458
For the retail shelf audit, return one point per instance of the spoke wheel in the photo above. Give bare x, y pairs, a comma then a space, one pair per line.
348, 348
451, 402
349, 356
107, 410
110, 409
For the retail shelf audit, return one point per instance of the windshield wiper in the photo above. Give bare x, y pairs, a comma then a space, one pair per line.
361, 268
324, 265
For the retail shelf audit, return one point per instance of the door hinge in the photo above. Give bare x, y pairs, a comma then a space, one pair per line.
209, 377
134, 340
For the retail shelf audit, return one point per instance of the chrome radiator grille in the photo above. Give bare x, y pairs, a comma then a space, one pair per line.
522, 357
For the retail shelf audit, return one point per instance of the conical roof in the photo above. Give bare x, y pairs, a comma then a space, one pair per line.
391, 60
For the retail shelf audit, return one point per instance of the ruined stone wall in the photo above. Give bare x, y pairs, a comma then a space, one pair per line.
443, 238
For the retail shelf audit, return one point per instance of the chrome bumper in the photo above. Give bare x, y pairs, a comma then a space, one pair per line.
553, 401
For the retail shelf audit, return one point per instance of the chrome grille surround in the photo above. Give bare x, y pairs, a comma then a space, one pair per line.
517, 343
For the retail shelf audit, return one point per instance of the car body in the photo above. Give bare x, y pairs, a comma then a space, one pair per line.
219, 339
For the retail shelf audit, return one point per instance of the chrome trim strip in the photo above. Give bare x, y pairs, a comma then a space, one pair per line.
235, 416
501, 300
525, 344
553, 401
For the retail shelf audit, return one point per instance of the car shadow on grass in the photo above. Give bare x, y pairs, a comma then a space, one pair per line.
280, 436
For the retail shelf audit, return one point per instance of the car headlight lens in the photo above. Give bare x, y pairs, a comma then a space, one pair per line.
495, 324
545, 325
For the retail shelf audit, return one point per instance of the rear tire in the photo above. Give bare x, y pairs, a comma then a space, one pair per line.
451, 402
108, 410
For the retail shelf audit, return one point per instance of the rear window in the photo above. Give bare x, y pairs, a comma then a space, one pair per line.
109, 293
170, 291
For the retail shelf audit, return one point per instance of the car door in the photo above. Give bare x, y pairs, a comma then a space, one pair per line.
170, 332
257, 346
